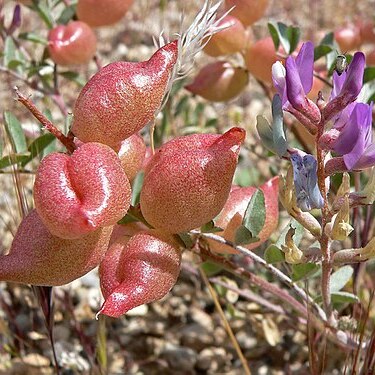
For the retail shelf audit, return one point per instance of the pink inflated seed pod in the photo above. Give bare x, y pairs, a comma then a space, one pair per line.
230, 218
219, 82
247, 11
132, 154
102, 12
188, 180
260, 57
80, 193
137, 271
122, 98
74, 43
231, 39
37, 257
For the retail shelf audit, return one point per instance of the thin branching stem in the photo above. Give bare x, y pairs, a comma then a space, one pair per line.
324, 240
225, 322
47, 124
319, 321
275, 271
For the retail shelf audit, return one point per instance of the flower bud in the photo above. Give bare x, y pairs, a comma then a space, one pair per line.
80, 193
188, 180
37, 257
293, 255
137, 271
122, 98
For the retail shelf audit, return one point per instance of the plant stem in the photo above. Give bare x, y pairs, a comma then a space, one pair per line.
225, 322
275, 271
56, 97
47, 124
320, 323
324, 240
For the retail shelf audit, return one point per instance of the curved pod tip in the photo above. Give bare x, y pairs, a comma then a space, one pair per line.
137, 271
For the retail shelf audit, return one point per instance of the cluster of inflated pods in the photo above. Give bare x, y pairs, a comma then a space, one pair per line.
80, 195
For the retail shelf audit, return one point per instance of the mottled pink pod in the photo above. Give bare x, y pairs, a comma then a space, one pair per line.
247, 11
188, 180
37, 257
348, 38
137, 271
230, 218
132, 154
74, 43
231, 39
219, 82
260, 57
126, 231
102, 12
122, 98
80, 193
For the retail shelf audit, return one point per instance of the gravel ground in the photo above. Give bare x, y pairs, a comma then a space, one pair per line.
183, 333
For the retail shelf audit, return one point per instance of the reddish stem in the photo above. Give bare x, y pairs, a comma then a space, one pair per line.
47, 124
324, 240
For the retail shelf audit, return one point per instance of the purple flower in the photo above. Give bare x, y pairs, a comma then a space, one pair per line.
346, 87
354, 140
306, 181
295, 81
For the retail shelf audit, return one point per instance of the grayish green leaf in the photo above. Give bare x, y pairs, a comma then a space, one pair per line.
15, 132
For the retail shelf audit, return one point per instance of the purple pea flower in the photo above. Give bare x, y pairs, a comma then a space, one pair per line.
306, 180
294, 82
346, 87
354, 140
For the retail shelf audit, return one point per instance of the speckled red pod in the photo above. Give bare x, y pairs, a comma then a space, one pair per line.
122, 98
231, 39
80, 193
137, 271
39, 258
74, 43
188, 180
230, 218
102, 12
132, 154
219, 81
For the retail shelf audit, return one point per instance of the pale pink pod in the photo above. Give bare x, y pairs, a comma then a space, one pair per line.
37, 257
137, 271
122, 98
74, 43
126, 231
80, 193
230, 218
219, 81
247, 11
188, 180
102, 12
231, 39
260, 57
348, 38
132, 154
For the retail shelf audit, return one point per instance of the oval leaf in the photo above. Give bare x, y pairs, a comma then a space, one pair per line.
255, 214
340, 278
15, 132
273, 255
